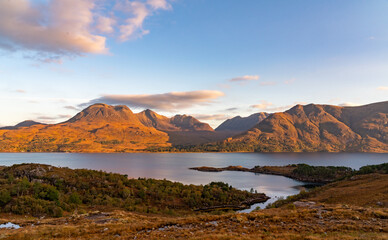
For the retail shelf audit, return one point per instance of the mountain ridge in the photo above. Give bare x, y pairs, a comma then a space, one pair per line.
176, 123
26, 123
103, 128
241, 124
302, 128
315, 127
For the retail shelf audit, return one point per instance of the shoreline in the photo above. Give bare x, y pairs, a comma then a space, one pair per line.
300, 172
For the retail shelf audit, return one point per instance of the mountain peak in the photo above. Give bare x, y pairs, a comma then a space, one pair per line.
27, 123
177, 123
241, 124
315, 127
190, 123
102, 112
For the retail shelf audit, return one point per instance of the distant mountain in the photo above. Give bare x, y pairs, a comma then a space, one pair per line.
242, 124
105, 113
320, 128
190, 123
176, 123
98, 128
105, 128
181, 129
27, 123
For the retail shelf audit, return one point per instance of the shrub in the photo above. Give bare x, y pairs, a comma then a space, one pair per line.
75, 198
5, 197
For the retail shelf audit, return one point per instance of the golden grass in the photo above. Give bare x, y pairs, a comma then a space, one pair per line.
360, 190
323, 222
334, 214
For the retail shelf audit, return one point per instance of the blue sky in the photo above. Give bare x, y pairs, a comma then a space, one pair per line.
301, 51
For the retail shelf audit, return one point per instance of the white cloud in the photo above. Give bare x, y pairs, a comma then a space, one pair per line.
267, 83
72, 108
245, 78
52, 119
60, 116
382, 88
159, 4
211, 116
166, 101
263, 105
270, 107
49, 30
133, 26
58, 27
349, 104
290, 81
105, 24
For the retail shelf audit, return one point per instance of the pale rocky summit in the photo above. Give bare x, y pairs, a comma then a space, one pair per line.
242, 124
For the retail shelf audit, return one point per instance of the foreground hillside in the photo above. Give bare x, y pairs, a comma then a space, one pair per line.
42, 190
354, 208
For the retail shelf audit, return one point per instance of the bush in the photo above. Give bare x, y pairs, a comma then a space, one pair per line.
5, 197
381, 168
75, 198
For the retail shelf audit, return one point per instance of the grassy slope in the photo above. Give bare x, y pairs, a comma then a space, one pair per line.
323, 219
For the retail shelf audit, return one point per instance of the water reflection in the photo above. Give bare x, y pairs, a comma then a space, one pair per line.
175, 166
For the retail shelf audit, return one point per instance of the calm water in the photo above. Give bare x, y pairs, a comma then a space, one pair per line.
175, 166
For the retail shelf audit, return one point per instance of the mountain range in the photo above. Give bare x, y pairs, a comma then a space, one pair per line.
105, 128
308, 128
315, 128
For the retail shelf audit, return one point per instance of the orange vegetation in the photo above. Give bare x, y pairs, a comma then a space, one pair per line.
321, 128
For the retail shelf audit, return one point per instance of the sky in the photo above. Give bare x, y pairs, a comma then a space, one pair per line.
212, 59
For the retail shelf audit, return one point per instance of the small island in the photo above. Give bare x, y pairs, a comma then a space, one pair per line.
300, 172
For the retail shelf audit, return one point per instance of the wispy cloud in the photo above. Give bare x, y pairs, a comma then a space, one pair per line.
348, 104
105, 24
270, 107
49, 30
159, 4
382, 88
166, 101
133, 26
61, 116
207, 117
72, 108
245, 78
290, 81
50, 119
20, 91
268, 83
263, 105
